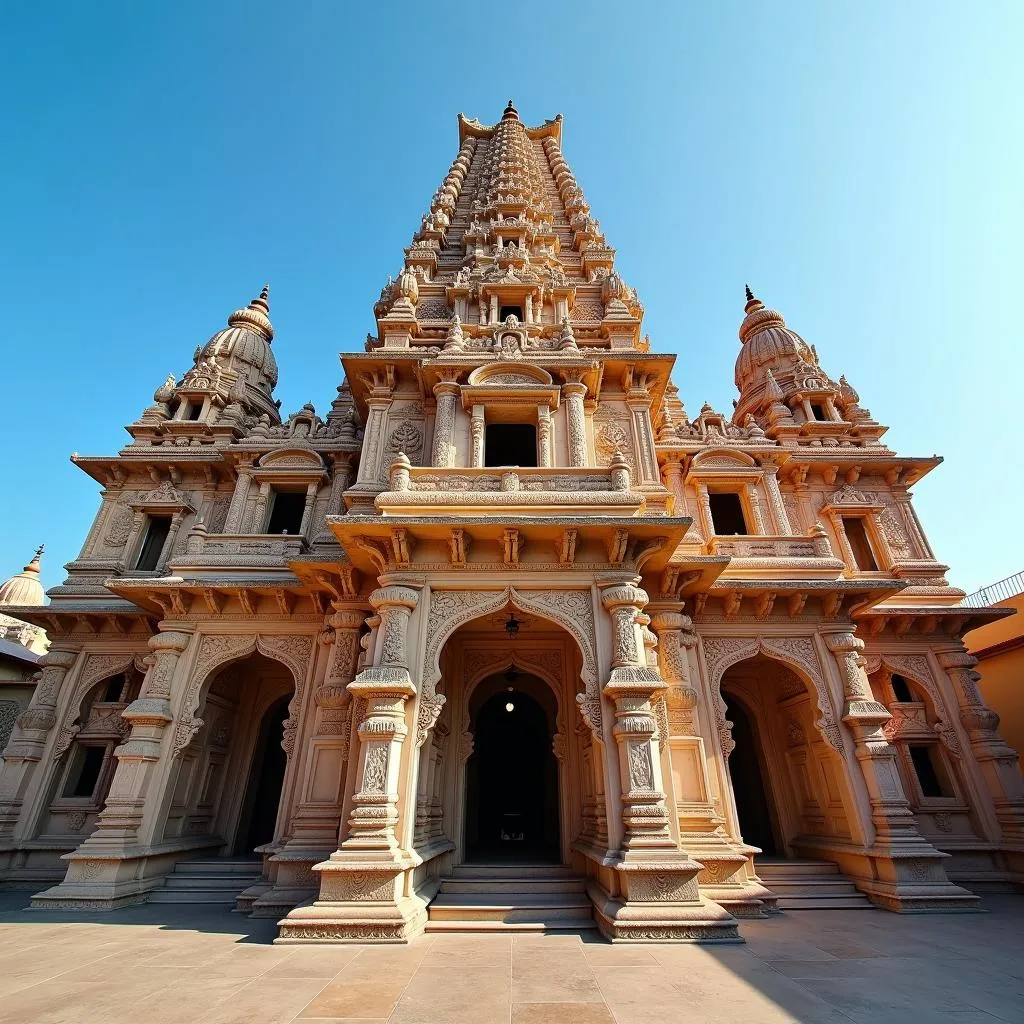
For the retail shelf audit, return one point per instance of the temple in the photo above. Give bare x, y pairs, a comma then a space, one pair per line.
505, 638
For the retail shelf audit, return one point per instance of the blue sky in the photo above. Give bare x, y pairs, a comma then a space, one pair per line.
858, 163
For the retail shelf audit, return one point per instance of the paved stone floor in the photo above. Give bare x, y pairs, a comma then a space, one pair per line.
166, 963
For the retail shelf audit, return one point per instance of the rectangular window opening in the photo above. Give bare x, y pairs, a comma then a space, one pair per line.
194, 410
727, 514
818, 411
901, 689
114, 688
85, 771
510, 444
506, 311
860, 543
156, 535
929, 774
286, 512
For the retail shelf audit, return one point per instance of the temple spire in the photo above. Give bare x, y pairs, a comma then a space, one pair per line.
510, 113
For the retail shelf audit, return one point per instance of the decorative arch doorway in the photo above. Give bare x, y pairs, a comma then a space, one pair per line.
789, 785
512, 808
265, 782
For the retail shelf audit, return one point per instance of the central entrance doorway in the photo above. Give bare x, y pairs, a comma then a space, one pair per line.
745, 769
512, 800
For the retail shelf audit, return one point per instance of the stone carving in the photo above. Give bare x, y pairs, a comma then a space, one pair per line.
8, 716
798, 652
97, 668
119, 527
375, 772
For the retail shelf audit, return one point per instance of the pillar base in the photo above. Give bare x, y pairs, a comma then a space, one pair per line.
660, 902
361, 901
915, 884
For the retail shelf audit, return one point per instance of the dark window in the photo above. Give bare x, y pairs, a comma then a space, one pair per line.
156, 533
727, 514
85, 771
194, 410
901, 689
926, 769
818, 411
173, 408
114, 688
506, 311
857, 535
510, 444
286, 513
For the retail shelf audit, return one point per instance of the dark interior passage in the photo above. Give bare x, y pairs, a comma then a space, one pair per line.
266, 779
747, 783
512, 782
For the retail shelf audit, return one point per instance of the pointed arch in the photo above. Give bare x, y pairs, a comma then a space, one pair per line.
216, 651
97, 668
797, 653
573, 610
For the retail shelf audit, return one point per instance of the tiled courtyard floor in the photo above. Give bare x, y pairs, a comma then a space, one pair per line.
165, 963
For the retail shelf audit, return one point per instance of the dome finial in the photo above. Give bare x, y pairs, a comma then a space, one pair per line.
750, 294
36, 557
510, 113
25, 588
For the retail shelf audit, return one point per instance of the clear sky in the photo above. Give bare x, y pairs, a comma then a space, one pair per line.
860, 164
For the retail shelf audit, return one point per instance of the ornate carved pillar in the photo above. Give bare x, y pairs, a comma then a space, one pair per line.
755, 510
447, 393
909, 869
257, 519
638, 399
573, 393
119, 822
25, 748
544, 435
166, 551
315, 825
363, 895
659, 896
704, 504
239, 499
771, 484
477, 426
999, 763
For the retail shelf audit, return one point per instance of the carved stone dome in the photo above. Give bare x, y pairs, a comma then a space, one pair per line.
767, 344
246, 339
25, 588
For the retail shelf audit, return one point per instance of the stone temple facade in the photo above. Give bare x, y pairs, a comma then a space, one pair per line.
506, 638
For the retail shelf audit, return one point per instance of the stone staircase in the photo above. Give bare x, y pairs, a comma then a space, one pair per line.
510, 897
810, 885
215, 880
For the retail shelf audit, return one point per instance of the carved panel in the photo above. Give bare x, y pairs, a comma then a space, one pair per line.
97, 668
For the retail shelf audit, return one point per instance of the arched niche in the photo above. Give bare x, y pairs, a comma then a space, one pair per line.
572, 610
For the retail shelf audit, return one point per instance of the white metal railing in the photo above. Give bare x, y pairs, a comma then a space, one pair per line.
995, 592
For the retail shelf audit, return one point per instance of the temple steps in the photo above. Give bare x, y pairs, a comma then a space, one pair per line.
215, 880
510, 897
810, 885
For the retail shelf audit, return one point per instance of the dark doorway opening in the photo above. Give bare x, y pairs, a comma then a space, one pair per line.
727, 514
748, 784
506, 311
510, 444
266, 779
512, 783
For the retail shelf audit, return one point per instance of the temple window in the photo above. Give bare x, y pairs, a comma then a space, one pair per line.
929, 772
157, 530
286, 511
114, 689
193, 410
727, 515
510, 444
85, 769
860, 543
818, 411
506, 311
901, 689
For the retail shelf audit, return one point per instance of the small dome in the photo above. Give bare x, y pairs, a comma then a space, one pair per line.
767, 343
247, 338
25, 588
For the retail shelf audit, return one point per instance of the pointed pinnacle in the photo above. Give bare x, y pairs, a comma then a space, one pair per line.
265, 292
750, 294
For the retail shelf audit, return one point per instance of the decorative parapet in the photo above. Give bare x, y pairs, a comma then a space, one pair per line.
415, 487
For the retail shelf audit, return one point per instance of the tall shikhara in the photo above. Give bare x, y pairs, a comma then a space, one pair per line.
504, 605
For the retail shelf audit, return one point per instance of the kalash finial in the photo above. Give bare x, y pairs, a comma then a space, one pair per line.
752, 301
510, 113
